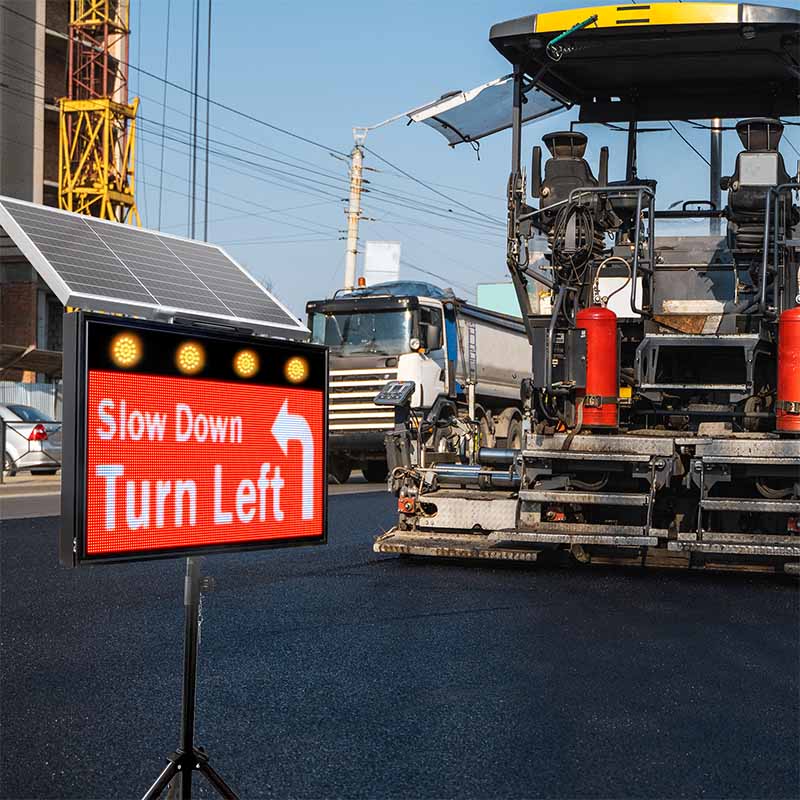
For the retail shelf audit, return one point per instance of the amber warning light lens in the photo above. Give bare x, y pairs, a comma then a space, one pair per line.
126, 350
296, 369
190, 358
245, 363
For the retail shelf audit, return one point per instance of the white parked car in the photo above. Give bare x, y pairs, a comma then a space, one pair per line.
33, 440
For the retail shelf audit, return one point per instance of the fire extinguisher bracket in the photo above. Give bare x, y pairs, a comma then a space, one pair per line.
596, 401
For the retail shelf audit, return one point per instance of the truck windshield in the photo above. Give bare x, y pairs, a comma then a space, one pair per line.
384, 332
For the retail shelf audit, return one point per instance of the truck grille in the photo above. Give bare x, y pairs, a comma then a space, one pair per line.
350, 395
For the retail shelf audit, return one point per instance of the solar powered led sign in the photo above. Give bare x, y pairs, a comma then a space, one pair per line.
181, 441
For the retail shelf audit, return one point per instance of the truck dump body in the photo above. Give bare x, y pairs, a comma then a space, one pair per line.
662, 418
502, 353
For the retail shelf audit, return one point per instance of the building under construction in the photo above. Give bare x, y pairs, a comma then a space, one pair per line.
66, 140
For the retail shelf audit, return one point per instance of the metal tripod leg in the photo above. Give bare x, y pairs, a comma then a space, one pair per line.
189, 758
162, 781
215, 779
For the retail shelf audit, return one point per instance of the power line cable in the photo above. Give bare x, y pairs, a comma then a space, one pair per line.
448, 211
428, 186
672, 125
164, 111
314, 190
410, 265
195, 77
215, 103
208, 122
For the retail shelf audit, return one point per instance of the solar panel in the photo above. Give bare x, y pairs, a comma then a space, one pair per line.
105, 266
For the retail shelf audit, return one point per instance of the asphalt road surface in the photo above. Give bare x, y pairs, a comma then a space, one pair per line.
332, 672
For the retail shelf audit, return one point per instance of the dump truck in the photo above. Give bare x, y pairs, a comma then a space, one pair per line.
461, 358
662, 418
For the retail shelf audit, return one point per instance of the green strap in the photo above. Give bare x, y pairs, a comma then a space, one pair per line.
580, 26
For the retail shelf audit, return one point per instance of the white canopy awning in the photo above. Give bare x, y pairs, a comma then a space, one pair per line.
486, 109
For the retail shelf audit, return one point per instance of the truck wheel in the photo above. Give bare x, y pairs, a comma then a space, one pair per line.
485, 426
339, 468
375, 471
514, 436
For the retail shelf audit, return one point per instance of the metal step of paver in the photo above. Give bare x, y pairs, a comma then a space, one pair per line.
718, 537
750, 504
448, 546
588, 498
790, 551
532, 537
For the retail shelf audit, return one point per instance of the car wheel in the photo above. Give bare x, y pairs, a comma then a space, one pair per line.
8, 465
375, 471
44, 471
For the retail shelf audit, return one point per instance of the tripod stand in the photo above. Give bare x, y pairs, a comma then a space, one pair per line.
188, 758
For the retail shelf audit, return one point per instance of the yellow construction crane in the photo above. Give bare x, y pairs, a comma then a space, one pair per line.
98, 123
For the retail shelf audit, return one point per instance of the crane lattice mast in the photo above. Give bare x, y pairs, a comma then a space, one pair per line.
98, 123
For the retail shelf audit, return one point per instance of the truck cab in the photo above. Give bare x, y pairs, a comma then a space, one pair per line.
464, 361
391, 331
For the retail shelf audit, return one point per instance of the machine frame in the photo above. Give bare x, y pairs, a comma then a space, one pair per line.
709, 484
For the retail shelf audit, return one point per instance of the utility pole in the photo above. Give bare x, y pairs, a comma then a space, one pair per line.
354, 208
715, 172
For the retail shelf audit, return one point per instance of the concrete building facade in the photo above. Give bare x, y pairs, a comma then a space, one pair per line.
34, 47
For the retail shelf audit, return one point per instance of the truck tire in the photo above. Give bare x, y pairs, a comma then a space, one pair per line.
375, 471
486, 428
514, 435
339, 469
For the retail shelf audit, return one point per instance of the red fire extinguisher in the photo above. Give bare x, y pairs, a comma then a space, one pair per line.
601, 396
787, 414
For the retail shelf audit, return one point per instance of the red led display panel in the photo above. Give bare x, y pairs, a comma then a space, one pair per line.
204, 445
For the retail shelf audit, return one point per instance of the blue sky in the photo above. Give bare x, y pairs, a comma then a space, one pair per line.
318, 68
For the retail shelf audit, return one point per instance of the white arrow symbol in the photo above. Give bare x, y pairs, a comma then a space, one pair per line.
295, 426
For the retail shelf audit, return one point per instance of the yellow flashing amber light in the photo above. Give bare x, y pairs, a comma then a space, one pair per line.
296, 369
623, 16
126, 350
245, 363
190, 358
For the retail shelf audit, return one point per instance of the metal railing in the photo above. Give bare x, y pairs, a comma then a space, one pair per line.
773, 211
639, 192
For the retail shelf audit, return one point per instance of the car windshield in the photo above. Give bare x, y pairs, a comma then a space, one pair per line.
384, 332
29, 414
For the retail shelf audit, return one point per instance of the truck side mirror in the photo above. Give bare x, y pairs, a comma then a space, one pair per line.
725, 183
602, 171
433, 337
536, 172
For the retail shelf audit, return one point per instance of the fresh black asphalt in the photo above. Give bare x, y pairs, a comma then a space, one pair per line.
331, 672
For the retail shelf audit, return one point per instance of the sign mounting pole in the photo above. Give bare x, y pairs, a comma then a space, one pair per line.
187, 758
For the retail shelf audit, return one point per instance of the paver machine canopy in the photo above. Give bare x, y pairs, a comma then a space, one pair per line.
663, 416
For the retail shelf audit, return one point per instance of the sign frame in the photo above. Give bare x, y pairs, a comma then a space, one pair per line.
74, 468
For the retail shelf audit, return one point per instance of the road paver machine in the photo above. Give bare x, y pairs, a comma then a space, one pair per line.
662, 421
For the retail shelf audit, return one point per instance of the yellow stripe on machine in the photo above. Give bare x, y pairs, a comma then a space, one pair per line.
640, 14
